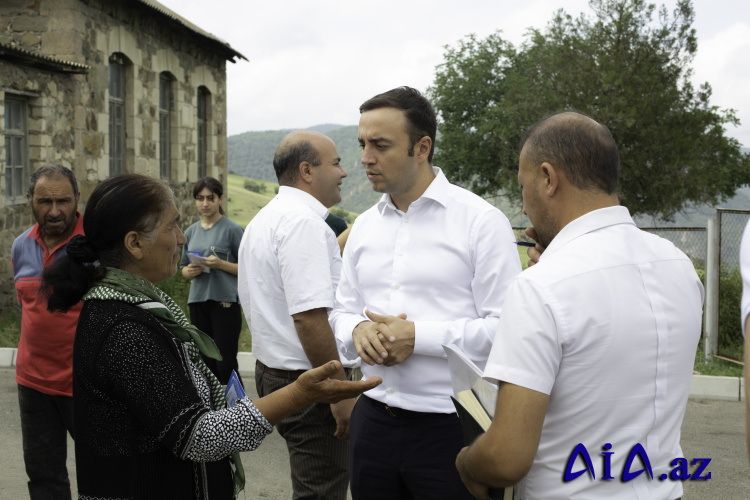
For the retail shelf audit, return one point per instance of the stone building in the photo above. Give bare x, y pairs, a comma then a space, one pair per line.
104, 87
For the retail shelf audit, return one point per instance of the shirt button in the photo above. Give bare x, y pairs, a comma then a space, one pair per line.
391, 390
407, 220
396, 286
401, 253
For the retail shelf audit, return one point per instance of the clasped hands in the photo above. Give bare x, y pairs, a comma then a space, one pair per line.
384, 340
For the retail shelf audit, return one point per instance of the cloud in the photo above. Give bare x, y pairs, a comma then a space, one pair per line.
722, 62
316, 62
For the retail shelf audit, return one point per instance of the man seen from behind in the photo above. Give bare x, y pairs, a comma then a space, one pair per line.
595, 348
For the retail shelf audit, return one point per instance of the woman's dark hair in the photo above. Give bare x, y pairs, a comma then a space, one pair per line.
212, 185
118, 205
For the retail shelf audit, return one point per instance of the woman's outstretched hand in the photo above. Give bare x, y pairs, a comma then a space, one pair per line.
317, 386
313, 386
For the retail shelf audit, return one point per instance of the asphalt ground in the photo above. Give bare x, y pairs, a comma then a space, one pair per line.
711, 429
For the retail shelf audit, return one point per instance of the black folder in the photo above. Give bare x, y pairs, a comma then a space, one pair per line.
471, 430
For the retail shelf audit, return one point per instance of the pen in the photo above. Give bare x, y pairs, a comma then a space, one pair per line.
525, 243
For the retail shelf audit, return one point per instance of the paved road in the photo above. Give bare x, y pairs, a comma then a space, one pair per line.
713, 429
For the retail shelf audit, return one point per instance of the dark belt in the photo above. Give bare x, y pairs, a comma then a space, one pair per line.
287, 374
400, 412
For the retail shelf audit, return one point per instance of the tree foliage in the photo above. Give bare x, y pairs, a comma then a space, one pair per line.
627, 66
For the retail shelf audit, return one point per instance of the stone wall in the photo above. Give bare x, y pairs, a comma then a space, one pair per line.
68, 118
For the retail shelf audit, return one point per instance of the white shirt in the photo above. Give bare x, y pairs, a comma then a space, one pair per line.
606, 324
745, 272
445, 263
289, 262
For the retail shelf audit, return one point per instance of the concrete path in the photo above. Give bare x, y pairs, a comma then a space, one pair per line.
712, 429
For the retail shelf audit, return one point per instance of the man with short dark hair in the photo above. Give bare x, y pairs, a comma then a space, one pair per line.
595, 347
289, 265
44, 362
428, 265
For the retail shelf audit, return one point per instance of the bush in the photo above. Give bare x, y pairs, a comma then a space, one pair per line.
178, 288
10, 327
731, 342
255, 186
340, 212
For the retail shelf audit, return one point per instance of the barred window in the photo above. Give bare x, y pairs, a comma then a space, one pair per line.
203, 102
116, 115
16, 157
166, 105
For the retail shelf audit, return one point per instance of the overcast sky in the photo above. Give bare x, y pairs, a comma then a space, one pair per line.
316, 62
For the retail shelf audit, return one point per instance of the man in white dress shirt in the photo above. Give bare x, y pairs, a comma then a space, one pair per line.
428, 265
596, 343
289, 265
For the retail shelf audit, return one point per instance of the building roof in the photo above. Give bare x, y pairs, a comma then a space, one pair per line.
161, 9
34, 59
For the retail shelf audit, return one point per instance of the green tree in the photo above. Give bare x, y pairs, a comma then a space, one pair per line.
624, 68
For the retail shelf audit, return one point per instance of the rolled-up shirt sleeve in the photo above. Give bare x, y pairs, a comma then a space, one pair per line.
527, 350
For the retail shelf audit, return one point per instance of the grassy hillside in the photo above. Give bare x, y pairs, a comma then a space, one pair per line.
251, 155
243, 204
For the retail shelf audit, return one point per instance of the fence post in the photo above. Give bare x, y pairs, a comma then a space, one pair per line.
711, 315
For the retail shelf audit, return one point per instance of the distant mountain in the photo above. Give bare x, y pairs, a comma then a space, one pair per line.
251, 155
325, 128
692, 216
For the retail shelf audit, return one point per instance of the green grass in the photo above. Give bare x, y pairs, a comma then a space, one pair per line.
242, 203
524, 258
10, 328
717, 367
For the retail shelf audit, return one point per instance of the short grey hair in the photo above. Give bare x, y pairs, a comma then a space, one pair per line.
53, 170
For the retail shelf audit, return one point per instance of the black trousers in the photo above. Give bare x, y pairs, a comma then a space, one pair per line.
223, 324
409, 456
45, 423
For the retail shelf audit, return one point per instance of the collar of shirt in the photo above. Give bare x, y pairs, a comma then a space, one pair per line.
436, 191
591, 221
288, 192
36, 233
